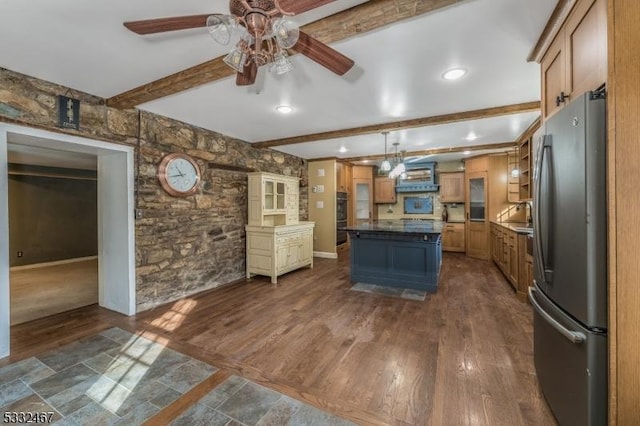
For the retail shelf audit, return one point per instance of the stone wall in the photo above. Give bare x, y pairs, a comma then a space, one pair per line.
183, 245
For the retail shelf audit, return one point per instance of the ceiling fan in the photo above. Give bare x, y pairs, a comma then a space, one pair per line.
264, 31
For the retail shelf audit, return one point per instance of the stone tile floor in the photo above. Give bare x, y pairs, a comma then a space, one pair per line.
403, 293
241, 402
117, 378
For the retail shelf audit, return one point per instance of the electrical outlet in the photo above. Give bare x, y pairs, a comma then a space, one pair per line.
20, 253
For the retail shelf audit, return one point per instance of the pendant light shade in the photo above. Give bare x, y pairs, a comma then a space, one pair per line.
385, 166
399, 168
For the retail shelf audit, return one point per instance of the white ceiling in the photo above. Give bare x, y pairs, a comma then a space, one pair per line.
83, 45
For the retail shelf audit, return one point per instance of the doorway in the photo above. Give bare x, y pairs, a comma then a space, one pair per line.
116, 239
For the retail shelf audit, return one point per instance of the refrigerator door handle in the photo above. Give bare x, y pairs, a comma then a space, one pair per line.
574, 336
544, 144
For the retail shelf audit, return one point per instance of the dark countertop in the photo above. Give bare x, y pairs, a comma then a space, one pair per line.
399, 226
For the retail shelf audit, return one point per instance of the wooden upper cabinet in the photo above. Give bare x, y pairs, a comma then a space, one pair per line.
384, 190
451, 187
343, 177
576, 60
586, 47
476, 164
553, 75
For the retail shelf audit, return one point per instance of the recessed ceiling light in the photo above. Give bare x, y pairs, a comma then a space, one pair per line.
284, 109
471, 136
454, 74
343, 149
467, 152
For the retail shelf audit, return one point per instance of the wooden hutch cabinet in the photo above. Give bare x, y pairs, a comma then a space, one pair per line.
277, 242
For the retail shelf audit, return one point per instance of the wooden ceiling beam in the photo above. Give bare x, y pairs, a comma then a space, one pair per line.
359, 19
404, 124
472, 148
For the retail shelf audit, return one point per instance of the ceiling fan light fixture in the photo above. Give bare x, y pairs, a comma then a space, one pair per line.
236, 59
221, 28
286, 32
454, 73
282, 62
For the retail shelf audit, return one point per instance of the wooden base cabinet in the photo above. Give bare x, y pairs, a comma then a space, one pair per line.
453, 237
276, 250
509, 252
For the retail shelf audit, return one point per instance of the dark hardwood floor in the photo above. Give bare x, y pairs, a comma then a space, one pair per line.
461, 357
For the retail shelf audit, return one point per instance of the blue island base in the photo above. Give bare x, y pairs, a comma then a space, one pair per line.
403, 260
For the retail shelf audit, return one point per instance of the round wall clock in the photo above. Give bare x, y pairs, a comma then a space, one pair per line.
179, 175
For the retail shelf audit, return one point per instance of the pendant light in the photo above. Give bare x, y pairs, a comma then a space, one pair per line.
399, 168
385, 166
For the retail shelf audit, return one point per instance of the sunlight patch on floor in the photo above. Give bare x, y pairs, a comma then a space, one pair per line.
173, 318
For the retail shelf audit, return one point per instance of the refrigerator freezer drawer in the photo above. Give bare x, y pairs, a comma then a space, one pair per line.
572, 372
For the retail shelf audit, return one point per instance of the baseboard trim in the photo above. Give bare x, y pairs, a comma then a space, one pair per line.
325, 255
54, 263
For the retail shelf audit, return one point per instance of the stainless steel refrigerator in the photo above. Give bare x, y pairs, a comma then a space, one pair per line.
569, 295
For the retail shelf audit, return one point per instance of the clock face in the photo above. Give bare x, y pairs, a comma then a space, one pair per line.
179, 175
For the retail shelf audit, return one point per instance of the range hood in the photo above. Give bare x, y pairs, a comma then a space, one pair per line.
420, 177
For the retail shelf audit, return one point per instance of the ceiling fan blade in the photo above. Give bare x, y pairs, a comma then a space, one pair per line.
160, 25
248, 75
322, 54
300, 6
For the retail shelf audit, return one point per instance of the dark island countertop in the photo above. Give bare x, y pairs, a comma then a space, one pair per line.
399, 226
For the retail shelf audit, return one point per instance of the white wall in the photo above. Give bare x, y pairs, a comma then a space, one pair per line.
115, 227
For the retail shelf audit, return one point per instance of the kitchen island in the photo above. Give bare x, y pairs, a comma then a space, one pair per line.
397, 253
